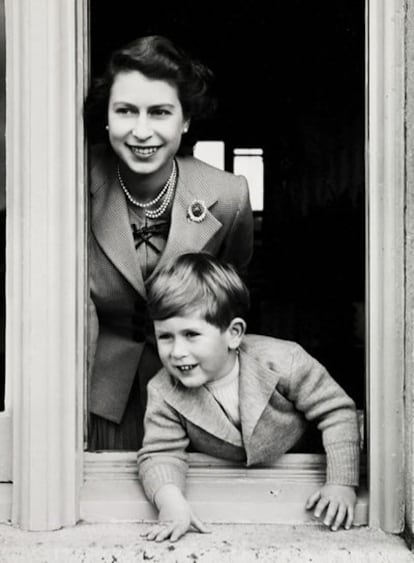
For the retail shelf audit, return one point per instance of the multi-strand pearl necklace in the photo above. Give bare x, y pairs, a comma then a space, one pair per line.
167, 191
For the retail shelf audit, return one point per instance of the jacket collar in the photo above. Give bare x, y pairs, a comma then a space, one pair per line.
196, 405
186, 235
257, 384
110, 223
110, 220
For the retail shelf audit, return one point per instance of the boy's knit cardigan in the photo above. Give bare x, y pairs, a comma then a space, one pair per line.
281, 387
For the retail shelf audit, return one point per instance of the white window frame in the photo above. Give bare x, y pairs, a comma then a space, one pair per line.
45, 257
46, 276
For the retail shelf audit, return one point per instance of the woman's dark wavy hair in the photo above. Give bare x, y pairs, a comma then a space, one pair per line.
157, 58
197, 282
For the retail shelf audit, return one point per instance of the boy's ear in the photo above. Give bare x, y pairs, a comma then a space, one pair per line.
235, 331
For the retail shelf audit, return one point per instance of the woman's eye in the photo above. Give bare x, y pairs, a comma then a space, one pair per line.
163, 337
123, 111
160, 112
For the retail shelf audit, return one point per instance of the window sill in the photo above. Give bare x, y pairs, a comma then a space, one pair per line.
6, 490
219, 491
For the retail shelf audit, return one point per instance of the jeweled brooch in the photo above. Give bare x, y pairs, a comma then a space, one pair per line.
197, 211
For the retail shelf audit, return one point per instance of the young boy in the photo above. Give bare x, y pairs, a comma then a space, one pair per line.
234, 396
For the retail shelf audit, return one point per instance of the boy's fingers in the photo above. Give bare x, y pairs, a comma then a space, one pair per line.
199, 525
312, 500
340, 517
178, 532
152, 533
320, 507
330, 513
350, 517
164, 533
155, 532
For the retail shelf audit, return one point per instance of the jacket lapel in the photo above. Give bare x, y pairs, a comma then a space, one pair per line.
110, 224
200, 408
186, 235
110, 219
257, 384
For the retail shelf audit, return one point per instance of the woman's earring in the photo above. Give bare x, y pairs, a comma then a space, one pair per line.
185, 130
107, 127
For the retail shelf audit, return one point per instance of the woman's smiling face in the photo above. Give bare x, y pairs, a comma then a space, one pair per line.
145, 122
193, 350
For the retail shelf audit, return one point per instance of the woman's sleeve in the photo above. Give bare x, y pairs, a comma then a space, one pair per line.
92, 342
315, 393
238, 248
93, 332
162, 458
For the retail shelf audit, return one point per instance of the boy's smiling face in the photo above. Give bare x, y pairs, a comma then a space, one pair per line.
195, 351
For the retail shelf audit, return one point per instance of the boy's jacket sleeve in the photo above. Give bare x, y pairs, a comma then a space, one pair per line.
321, 399
162, 458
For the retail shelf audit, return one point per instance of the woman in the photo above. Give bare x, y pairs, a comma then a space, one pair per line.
147, 205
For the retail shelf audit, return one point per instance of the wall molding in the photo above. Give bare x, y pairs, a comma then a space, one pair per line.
385, 203
44, 277
6, 447
409, 275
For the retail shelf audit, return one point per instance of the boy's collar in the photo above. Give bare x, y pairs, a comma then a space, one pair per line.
195, 404
233, 373
257, 384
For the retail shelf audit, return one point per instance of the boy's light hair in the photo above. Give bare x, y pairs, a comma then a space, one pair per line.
198, 282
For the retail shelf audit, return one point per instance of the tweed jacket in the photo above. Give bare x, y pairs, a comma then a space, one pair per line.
119, 323
281, 387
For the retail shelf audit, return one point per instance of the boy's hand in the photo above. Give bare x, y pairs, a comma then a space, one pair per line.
175, 516
339, 503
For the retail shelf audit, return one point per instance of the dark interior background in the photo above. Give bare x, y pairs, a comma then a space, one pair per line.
289, 79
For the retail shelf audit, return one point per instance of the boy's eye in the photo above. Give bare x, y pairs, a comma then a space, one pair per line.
191, 334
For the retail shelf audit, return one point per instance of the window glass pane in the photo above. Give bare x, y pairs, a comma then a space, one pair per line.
302, 110
211, 152
249, 163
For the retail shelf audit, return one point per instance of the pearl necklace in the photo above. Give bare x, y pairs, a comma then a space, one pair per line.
167, 190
